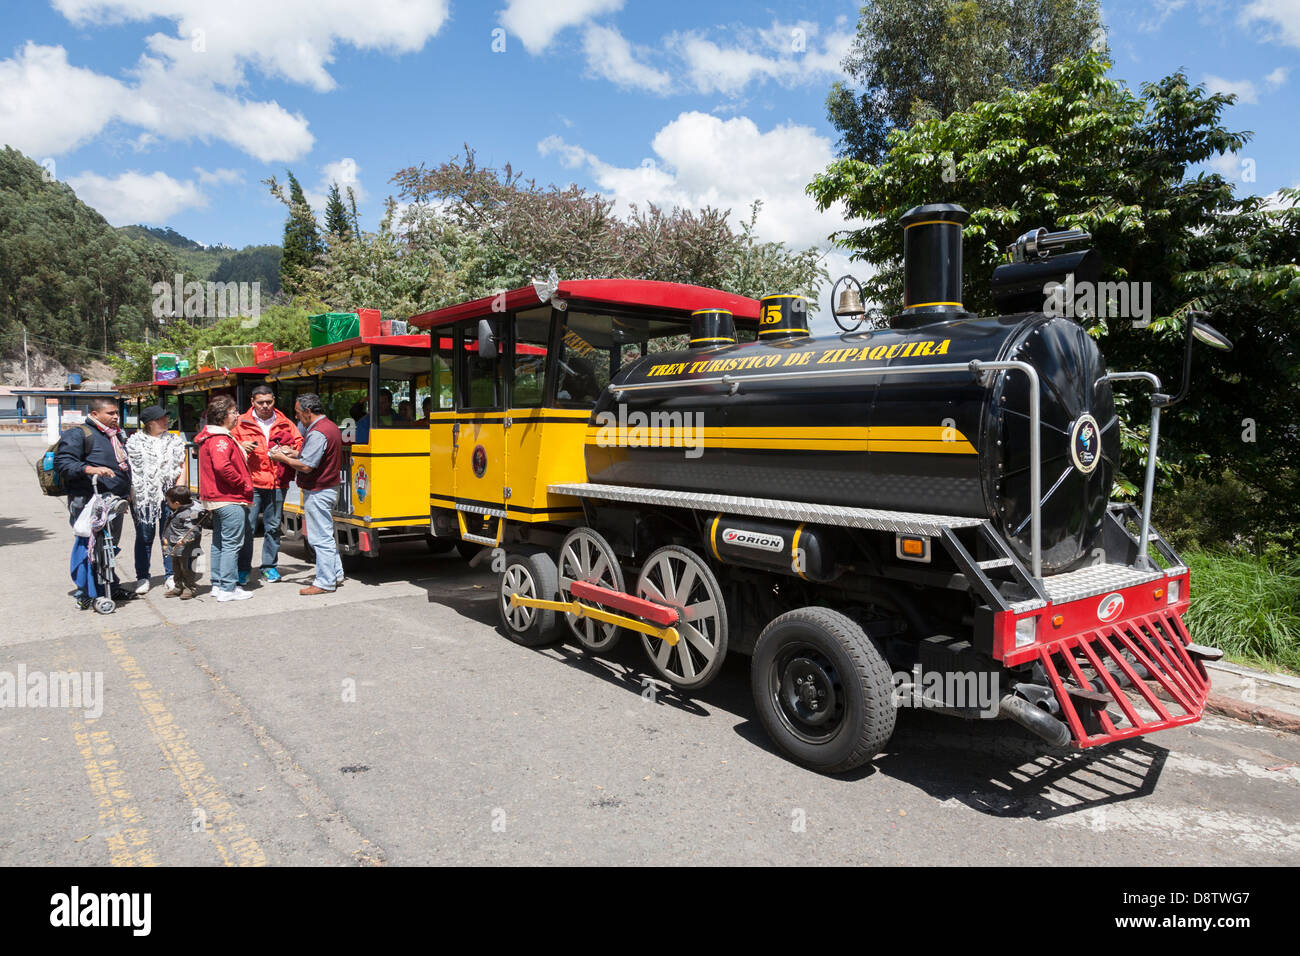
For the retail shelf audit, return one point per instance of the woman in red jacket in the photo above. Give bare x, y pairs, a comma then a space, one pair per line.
226, 489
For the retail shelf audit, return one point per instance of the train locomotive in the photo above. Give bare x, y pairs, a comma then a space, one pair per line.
892, 517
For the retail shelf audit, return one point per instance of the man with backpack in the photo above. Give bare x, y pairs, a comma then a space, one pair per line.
95, 448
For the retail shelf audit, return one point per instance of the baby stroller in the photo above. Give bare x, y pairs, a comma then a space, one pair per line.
95, 551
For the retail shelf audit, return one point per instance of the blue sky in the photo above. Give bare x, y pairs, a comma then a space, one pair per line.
170, 112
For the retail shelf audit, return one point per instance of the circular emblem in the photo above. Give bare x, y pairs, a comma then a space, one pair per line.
1085, 444
361, 482
479, 461
1110, 607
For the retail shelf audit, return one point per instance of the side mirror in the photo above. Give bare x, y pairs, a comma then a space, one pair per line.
487, 339
1202, 332
1209, 335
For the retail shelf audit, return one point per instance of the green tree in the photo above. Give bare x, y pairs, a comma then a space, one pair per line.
302, 242
336, 215
917, 59
523, 230
1082, 150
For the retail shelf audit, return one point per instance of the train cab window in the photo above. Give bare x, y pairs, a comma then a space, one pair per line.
480, 376
440, 376
403, 387
532, 336
595, 346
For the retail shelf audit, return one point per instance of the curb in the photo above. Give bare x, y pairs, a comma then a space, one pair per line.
1250, 714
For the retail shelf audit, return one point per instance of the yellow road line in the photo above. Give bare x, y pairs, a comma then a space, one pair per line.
231, 838
128, 841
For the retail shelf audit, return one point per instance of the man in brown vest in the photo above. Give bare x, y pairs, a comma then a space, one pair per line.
318, 467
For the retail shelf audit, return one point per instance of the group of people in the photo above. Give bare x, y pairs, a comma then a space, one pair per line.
246, 463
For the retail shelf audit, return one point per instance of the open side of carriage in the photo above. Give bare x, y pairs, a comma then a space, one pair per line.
376, 389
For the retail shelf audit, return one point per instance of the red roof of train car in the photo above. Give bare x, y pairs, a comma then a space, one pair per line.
645, 293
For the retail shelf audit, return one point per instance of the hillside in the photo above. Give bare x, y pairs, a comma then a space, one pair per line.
217, 263
81, 287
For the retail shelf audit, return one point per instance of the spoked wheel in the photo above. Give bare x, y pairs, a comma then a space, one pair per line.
822, 690
586, 556
105, 605
679, 578
530, 576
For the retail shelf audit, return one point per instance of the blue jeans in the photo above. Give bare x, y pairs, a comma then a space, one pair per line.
318, 508
269, 503
228, 523
144, 535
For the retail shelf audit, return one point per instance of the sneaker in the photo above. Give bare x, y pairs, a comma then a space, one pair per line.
270, 575
142, 587
83, 600
237, 594
243, 578
170, 583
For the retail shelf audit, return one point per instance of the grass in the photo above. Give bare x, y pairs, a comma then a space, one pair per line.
1247, 605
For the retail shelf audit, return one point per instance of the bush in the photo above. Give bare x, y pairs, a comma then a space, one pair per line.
1247, 605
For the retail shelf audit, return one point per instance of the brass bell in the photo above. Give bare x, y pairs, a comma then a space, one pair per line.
850, 302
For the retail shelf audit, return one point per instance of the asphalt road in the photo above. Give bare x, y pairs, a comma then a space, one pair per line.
392, 723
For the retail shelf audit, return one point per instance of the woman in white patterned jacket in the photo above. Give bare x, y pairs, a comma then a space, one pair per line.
157, 460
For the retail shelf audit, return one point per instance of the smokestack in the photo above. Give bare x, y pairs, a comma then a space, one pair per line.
712, 329
782, 317
931, 264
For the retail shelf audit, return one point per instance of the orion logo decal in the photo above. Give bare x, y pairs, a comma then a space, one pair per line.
1085, 444
753, 539
479, 461
361, 482
1111, 606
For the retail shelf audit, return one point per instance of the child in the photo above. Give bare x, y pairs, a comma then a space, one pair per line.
181, 538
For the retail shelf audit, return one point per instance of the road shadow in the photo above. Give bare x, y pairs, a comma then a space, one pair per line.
18, 531
998, 768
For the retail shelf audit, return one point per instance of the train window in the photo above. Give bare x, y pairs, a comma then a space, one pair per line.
594, 346
440, 387
403, 387
479, 379
532, 335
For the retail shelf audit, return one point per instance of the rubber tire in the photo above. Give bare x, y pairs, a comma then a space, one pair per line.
104, 605
439, 545
870, 712
545, 628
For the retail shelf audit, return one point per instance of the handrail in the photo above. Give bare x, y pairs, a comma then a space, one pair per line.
1149, 483
975, 367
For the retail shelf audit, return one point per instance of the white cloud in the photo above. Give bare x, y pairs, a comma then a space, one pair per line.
49, 106
186, 85
1284, 15
701, 159
215, 40
536, 22
347, 173
136, 197
211, 177
786, 53
609, 55
1160, 11
1227, 165
1277, 78
1244, 90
